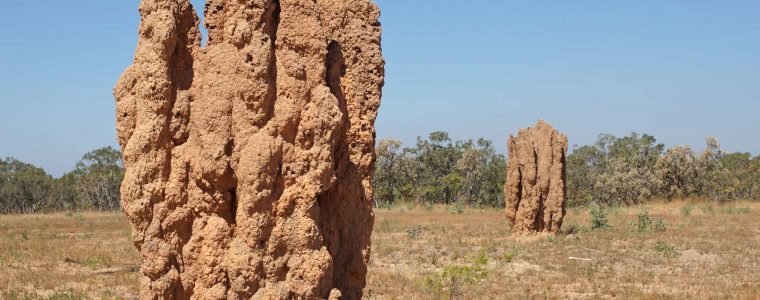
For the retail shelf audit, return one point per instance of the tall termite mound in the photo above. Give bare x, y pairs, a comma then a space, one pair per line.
249, 160
535, 189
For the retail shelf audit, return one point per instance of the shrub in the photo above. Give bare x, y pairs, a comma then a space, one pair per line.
686, 210
414, 233
708, 209
482, 258
67, 295
666, 250
457, 208
736, 210
511, 255
599, 219
572, 229
644, 222
660, 225
453, 278
385, 205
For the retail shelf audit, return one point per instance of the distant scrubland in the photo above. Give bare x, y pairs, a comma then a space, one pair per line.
613, 171
438, 170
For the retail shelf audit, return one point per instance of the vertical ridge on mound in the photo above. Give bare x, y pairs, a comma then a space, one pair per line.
249, 160
535, 190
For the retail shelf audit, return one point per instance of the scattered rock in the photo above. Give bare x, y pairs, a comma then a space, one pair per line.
534, 191
249, 160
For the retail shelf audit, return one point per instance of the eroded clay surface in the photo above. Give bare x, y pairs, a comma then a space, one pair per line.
249, 160
535, 191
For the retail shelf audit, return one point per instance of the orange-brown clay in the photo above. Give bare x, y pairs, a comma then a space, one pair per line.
535, 188
249, 160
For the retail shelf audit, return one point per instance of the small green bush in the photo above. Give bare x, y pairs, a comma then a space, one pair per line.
511, 255
67, 295
101, 260
660, 225
414, 233
385, 205
731, 210
572, 229
599, 219
708, 209
482, 258
666, 250
453, 278
686, 210
645, 221
457, 208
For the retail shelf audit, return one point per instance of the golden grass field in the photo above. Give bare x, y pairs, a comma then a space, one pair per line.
693, 250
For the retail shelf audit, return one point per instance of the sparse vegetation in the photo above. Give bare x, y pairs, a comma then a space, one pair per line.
644, 221
439, 170
686, 210
511, 255
660, 225
457, 208
464, 256
708, 209
665, 249
636, 168
732, 210
686, 259
439, 196
414, 232
92, 185
57, 256
452, 279
599, 219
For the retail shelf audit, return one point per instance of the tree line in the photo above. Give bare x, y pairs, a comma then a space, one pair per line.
92, 185
612, 171
438, 170
636, 168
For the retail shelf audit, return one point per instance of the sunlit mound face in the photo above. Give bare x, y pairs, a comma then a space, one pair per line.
249, 160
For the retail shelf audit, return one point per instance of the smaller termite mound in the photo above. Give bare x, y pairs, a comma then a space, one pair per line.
535, 191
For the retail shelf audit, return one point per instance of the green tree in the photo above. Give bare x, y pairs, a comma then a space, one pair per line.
24, 188
437, 157
741, 178
387, 171
583, 167
712, 172
614, 170
480, 174
679, 172
754, 178
63, 194
98, 179
439, 170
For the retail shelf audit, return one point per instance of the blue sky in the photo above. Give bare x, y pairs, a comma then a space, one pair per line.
680, 70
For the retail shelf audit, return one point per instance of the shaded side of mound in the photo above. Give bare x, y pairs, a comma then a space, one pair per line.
248, 161
535, 190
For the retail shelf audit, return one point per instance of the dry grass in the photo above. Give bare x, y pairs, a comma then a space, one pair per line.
67, 257
706, 252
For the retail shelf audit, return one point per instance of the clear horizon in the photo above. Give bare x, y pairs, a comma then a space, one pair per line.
681, 71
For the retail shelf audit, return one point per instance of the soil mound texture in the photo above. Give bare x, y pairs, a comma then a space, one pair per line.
535, 190
249, 160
